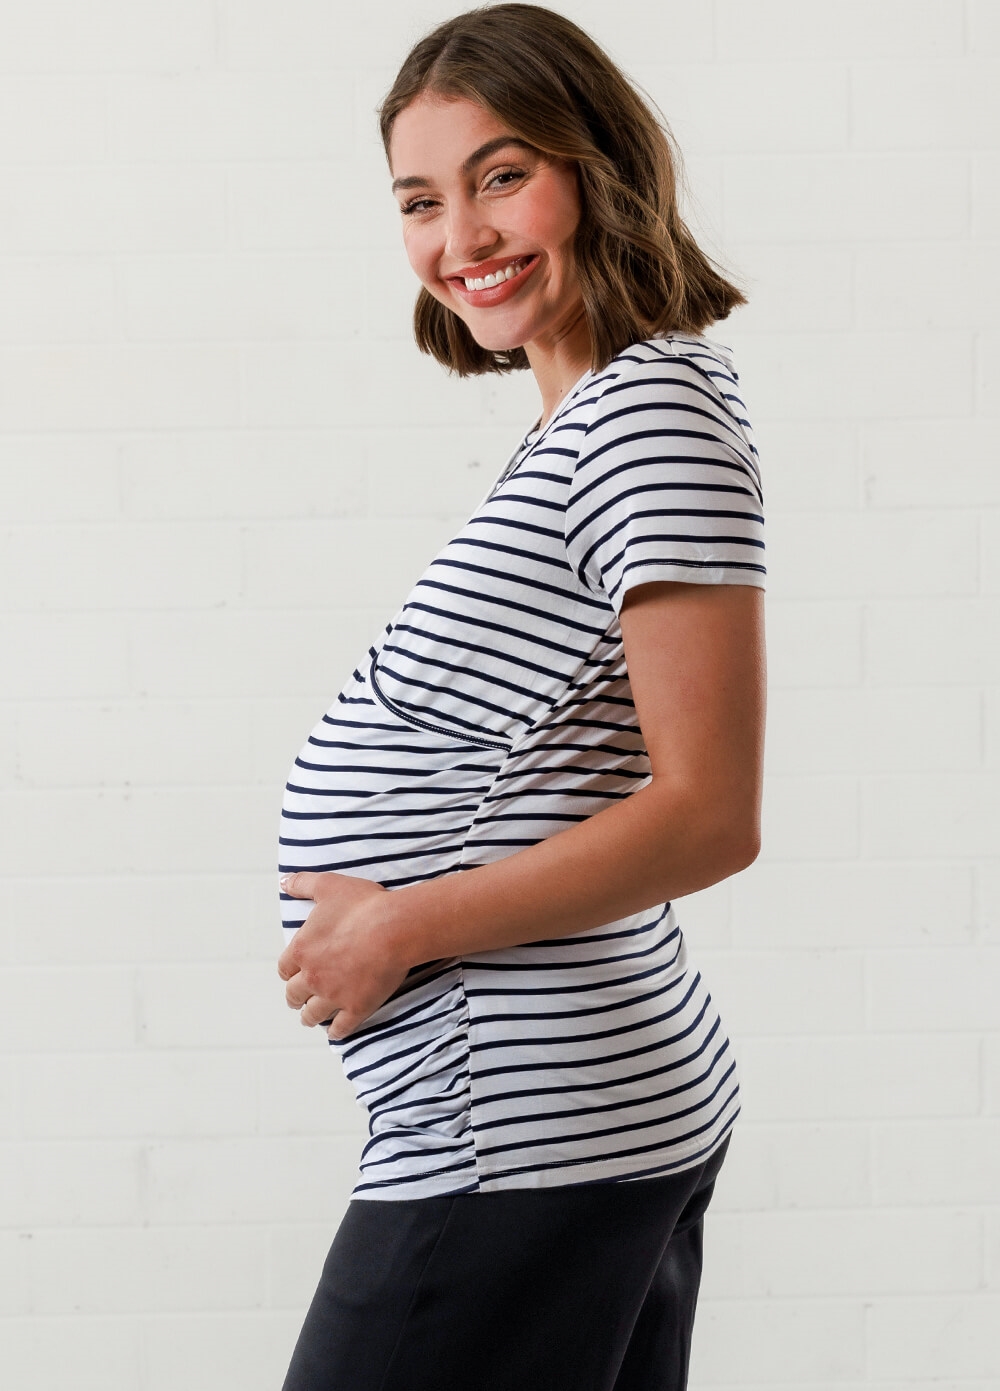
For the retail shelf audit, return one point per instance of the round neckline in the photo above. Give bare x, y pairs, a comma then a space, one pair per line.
538, 429
536, 432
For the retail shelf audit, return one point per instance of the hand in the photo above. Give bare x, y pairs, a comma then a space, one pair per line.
340, 965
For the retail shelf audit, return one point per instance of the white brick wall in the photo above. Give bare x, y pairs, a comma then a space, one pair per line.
204, 299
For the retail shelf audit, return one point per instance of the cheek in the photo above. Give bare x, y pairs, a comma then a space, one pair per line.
421, 250
552, 222
415, 253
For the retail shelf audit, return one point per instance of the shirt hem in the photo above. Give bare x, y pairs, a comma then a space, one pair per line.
669, 1160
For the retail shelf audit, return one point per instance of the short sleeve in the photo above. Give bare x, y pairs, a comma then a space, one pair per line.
666, 486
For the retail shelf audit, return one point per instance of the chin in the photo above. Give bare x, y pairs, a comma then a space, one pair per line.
494, 338
495, 342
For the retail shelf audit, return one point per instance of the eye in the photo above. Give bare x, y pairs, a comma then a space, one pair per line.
416, 205
504, 178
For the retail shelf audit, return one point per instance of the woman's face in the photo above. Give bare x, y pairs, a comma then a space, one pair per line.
479, 206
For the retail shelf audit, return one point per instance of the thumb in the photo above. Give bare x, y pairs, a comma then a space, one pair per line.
298, 885
343, 1024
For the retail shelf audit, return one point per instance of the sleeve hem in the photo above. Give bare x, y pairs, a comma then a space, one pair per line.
686, 572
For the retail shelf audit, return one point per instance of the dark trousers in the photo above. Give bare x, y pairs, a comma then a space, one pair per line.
581, 1288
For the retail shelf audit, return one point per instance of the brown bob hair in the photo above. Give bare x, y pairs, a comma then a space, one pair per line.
640, 270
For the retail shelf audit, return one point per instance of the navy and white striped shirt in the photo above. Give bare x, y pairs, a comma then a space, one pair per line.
493, 712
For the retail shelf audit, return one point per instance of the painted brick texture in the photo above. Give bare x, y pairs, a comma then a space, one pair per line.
222, 465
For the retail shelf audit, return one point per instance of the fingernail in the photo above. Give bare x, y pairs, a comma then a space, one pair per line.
284, 881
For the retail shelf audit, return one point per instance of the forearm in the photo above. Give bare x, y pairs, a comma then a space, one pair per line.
651, 847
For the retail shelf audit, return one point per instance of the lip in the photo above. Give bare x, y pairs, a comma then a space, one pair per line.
495, 294
482, 268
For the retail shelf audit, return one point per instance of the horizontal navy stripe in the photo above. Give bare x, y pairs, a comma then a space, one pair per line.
673, 1064
605, 1107
611, 1155
602, 1132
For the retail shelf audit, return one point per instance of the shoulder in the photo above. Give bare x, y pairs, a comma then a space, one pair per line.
666, 368
667, 383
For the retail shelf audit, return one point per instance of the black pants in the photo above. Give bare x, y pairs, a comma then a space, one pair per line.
585, 1288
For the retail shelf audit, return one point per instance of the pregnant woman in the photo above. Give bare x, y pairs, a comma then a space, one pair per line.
558, 733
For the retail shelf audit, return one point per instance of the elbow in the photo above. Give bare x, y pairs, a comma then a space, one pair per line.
723, 833
733, 845
737, 822
743, 848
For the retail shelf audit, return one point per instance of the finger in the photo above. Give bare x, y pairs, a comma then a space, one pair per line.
298, 885
318, 1011
287, 965
343, 1025
296, 992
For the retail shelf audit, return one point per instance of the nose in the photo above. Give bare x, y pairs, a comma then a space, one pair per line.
471, 236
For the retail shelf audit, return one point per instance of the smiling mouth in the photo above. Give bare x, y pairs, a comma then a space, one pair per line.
497, 285
487, 282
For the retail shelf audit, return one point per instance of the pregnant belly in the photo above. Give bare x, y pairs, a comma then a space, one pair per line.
372, 795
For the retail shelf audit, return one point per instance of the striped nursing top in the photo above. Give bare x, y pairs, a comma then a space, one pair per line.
494, 711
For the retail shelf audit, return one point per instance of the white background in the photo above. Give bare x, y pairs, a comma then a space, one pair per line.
223, 464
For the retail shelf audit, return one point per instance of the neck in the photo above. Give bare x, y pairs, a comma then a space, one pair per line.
559, 365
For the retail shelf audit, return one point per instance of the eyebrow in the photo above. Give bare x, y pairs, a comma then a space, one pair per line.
490, 148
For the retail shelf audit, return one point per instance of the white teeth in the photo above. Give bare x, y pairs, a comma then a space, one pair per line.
487, 282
